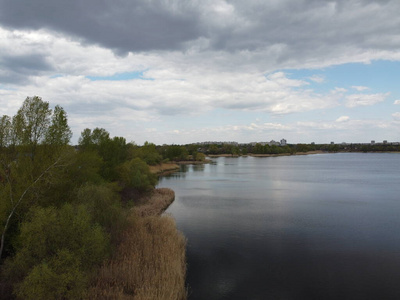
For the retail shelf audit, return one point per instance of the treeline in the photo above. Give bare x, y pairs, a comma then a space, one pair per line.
63, 208
258, 148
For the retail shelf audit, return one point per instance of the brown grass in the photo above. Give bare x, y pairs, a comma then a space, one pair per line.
164, 168
155, 203
150, 262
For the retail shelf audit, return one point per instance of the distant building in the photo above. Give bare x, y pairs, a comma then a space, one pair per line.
272, 143
372, 142
332, 143
385, 142
283, 142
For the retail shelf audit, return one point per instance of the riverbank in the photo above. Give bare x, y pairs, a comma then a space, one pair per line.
289, 154
150, 262
167, 168
268, 155
164, 168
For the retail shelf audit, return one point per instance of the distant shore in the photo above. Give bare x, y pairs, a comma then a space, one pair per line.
268, 155
167, 168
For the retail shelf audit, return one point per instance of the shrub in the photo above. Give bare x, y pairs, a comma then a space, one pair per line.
50, 240
104, 205
136, 174
60, 278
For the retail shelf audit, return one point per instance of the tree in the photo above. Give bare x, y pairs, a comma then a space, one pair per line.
112, 151
136, 174
176, 152
5, 131
147, 152
85, 140
17, 189
92, 139
58, 249
59, 132
31, 123
23, 163
59, 278
103, 204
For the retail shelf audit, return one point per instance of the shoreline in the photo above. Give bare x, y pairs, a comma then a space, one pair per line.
150, 261
268, 155
168, 168
289, 154
296, 154
164, 168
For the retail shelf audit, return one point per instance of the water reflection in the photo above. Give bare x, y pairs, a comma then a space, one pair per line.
318, 227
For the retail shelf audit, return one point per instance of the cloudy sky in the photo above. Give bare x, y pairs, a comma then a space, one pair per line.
179, 71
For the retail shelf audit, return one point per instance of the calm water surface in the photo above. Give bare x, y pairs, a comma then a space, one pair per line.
296, 227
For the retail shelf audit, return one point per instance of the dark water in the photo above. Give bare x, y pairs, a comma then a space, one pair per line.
299, 227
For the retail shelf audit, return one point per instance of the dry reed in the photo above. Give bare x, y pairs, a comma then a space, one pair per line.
150, 262
155, 203
164, 168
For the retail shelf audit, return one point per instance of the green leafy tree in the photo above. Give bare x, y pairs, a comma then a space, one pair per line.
59, 132
176, 152
56, 244
85, 140
199, 156
59, 278
148, 152
136, 174
25, 164
31, 123
104, 205
5, 131
22, 180
112, 151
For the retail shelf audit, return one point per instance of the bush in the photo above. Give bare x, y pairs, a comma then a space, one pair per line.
50, 240
104, 205
61, 278
136, 174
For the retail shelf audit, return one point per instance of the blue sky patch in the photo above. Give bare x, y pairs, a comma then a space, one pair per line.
120, 76
378, 76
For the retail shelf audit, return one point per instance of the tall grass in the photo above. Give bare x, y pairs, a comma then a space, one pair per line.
150, 262
155, 203
164, 168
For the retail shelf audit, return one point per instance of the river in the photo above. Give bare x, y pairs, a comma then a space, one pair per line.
321, 226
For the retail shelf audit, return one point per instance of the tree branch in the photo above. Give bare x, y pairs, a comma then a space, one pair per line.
20, 200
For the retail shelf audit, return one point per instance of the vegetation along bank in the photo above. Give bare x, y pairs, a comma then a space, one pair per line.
83, 222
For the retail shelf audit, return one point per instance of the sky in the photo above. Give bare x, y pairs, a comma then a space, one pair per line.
178, 71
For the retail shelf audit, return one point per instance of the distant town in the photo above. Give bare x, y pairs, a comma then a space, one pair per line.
285, 147
283, 142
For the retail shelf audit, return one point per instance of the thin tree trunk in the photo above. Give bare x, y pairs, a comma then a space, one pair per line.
19, 201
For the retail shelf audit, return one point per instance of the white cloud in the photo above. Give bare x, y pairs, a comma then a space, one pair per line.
317, 78
360, 88
396, 102
396, 115
343, 119
365, 99
339, 90
217, 62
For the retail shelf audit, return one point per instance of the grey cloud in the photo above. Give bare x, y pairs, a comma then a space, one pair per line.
25, 63
254, 34
120, 25
304, 26
18, 68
